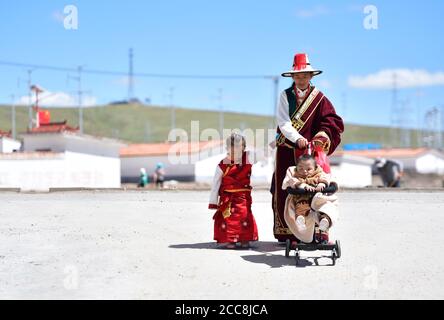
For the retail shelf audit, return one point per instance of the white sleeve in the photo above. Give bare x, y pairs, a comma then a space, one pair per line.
283, 119
216, 185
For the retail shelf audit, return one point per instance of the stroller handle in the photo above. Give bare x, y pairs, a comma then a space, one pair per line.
332, 188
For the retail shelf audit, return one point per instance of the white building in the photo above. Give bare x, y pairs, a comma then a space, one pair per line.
351, 171
57, 156
7, 144
420, 160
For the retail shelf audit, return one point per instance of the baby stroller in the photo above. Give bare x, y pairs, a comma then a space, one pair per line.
298, 245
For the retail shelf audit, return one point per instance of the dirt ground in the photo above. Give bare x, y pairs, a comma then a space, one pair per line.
158, 245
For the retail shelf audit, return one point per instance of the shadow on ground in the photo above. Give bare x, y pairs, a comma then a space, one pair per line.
269, 254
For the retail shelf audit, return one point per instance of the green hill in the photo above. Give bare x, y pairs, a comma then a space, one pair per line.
137, 123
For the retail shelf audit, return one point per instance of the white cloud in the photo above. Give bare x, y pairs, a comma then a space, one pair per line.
58, 99
405, 78
312, 12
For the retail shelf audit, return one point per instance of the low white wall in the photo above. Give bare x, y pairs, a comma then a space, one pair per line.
60, 170
8, 145
352, 175
131, 167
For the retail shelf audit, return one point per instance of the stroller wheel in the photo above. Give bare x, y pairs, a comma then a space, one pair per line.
334, 257
287, 247
338, 248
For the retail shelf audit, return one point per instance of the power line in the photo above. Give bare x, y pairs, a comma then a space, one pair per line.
139, 74
131, 75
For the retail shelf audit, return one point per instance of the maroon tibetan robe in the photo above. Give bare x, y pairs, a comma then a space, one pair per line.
321, 124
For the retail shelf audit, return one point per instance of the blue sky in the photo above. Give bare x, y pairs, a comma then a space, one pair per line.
232, 38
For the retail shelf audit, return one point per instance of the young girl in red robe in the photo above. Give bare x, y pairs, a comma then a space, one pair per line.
231, 197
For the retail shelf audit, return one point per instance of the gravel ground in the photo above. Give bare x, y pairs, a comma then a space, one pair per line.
158, 245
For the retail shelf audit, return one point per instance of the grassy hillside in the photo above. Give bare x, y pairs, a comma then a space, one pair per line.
136, 123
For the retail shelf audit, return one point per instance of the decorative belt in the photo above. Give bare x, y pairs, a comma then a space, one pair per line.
238, 190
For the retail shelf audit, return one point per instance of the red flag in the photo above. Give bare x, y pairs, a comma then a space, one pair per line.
44, 117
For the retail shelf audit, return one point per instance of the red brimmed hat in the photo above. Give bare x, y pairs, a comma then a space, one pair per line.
301, 64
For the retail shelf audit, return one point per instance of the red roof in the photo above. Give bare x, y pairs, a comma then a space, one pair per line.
5, 133
54, 127
385, 153
153, 149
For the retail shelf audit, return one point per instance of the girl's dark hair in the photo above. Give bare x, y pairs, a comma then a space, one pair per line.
305, 157
234, 139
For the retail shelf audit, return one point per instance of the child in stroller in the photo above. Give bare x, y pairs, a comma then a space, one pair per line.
311, 207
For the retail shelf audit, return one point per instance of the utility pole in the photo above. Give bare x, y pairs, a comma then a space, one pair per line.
37, 89
173, 111
80, 93
419, 128
221, 112
130, 76
30, 99
439, 117
276, 98
433, 135
13, 128
404, 120
394, 112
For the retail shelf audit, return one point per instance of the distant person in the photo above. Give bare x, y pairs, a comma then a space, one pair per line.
143, 178
390, 171
230, 196
159, 175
